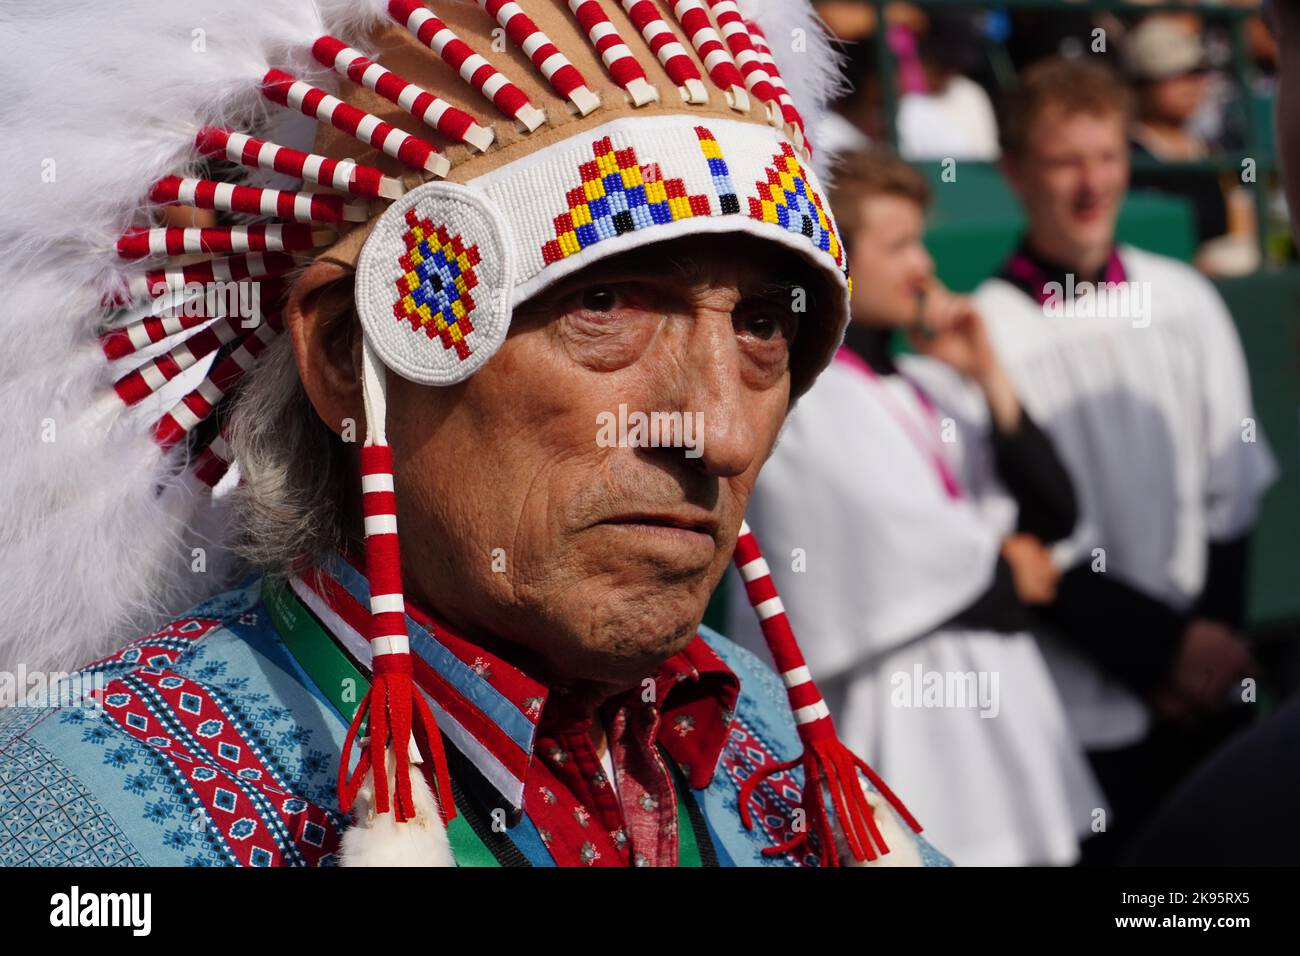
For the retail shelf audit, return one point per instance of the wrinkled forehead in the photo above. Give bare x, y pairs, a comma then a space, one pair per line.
524, 208
752, 269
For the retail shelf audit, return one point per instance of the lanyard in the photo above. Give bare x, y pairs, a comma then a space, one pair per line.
923, 443
473, 840
694, 846
331, 670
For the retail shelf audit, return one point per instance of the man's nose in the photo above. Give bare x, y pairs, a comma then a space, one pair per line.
712, 386
924, 263
1092, 178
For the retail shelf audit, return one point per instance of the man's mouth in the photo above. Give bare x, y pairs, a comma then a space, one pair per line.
679, 525
1089, 210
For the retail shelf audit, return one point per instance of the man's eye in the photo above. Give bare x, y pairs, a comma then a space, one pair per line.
600, 298
767, 324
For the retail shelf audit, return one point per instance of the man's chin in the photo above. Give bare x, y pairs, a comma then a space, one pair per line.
1092, 227
628, 632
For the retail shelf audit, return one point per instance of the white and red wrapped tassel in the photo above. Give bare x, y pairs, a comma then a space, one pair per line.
848, 831
210, 240
732, 26
794, 125
256, 201
473, 68
293, 93
213, 461
623, 66
341, 174
431, 110
708, 45
177, 313
157, 283
564, 77
677, 63
140, 383
203, 399
402, 763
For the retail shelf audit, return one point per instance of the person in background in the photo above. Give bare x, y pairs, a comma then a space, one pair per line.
947, 115
1131, 362
1247, 790
1168, 69
907, 565
941, 111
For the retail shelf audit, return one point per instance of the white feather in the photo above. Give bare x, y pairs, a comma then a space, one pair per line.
806, 57
902, 843
97, 525
379, 840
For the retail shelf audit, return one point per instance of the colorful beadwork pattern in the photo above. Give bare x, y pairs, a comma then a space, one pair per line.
718, 170
433, 293
618, 195
788, 200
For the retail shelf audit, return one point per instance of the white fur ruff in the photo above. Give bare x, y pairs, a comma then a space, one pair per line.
377, 839
902, 843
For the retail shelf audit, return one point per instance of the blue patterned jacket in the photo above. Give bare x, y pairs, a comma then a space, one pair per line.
207, 744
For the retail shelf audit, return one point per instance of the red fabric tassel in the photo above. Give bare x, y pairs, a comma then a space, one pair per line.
393, 707
829, 767
389, 708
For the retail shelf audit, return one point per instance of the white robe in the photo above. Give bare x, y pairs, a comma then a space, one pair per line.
889, 557
1148, 412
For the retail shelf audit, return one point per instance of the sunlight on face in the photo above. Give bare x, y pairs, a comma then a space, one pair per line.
1072, 179
608, 554
889, 261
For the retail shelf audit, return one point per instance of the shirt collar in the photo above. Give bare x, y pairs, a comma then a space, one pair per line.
490, 709
1033, 274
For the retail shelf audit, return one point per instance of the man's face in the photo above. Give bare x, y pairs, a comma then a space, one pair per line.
520, 523
1072, 178
889, 261
1176, 99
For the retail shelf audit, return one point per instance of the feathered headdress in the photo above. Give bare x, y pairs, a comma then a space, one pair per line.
462, 156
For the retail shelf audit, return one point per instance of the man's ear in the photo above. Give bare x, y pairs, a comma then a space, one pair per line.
322, 322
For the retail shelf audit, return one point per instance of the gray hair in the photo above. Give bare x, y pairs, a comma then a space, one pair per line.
292, 495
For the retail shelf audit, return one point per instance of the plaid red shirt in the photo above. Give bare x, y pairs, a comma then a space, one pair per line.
684, 714
534, 747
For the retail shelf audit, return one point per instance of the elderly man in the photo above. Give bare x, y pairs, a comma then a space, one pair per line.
522, 678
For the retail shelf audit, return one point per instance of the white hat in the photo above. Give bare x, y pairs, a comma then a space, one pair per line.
1160, 49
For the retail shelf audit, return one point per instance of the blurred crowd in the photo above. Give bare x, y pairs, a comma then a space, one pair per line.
1197, 79
1019, 521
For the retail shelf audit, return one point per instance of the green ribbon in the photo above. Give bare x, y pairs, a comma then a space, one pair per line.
688, 848
331, 670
